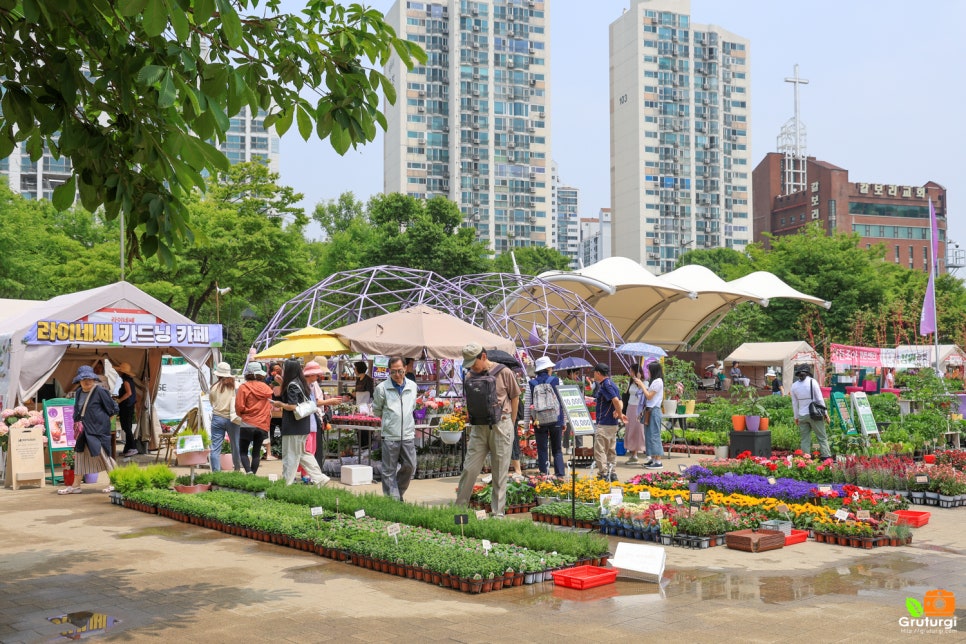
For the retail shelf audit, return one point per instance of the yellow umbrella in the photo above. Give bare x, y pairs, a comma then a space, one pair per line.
309, 341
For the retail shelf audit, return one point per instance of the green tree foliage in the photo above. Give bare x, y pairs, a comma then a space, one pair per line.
134, 92
422, 234
726, 263
337, 214
532, 260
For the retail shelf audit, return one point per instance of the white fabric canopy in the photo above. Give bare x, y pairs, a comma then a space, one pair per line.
30, 366
762, 355
622, 291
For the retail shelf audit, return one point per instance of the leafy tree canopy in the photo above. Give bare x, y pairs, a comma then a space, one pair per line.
134, 92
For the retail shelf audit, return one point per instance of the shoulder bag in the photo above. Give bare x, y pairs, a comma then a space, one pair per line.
816, 410
626, 397
80, 440
304, 408
645, 416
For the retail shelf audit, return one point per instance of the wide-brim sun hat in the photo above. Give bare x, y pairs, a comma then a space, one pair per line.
222, 370
543, 363
85, 372
255, 369
313, 368
125, 368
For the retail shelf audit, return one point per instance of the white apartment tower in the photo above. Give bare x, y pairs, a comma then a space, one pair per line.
246, 140
473, 123
680, 135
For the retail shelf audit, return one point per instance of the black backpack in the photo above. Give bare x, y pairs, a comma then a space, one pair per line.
482, 404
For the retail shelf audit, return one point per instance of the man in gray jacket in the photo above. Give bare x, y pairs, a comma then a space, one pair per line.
394, 401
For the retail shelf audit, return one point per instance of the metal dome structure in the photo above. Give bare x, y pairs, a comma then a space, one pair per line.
545, 318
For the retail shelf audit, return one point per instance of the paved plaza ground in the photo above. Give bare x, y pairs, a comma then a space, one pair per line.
159, 580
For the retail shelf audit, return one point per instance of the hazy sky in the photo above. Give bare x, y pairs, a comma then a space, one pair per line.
885, 98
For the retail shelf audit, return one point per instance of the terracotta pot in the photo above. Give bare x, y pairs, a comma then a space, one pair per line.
193, 458
763, 424
738, 423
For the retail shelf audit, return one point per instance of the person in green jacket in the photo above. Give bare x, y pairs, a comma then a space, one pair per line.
394, 401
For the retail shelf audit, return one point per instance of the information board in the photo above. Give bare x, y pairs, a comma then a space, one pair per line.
59, 420
578, 416
840, 411
26, 457
863, 414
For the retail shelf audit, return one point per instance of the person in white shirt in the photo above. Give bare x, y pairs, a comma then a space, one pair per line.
805, 389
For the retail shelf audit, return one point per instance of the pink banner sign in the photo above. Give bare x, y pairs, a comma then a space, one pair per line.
855, 356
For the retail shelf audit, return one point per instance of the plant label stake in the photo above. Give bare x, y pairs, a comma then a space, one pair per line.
891, 518
841, 514
644, 495
658, 514
480, 515
461, 520
922, 479
679, 500
360, 514
682, 468
617, 494
316, 511
824, 489
487, 546
272, 478
771, 480
337, 507
863, 515
393, 530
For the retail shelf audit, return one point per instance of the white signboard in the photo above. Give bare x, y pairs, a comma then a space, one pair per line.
862, 412
178, 391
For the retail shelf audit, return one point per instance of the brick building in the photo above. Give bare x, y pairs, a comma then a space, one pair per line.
894, 215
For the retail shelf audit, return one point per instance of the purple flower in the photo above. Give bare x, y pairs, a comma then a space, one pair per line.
755, 485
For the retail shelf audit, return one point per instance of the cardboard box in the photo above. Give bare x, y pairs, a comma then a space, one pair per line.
356, 474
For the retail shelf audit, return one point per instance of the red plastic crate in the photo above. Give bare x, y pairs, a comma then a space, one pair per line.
913, 518
582, 577
797, 536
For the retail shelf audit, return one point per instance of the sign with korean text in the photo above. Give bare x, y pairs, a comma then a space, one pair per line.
59, 419
855, 356
578, 416
863, 413
60, 332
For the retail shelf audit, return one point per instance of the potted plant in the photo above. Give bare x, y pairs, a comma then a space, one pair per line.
747, 400
68, 465
451, 426
681, 376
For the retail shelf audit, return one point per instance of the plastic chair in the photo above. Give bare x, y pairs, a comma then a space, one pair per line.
169, 440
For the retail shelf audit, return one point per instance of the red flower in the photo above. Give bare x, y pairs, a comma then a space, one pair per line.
797, 452
772, 467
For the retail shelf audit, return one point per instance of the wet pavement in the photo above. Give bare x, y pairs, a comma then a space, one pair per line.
79, 565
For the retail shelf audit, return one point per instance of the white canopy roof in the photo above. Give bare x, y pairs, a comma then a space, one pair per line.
622, 291
30, 366
768, 354
668, 310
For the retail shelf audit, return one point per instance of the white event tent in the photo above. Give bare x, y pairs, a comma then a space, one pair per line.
754, 358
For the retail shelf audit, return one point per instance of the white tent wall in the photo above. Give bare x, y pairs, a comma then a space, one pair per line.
754, 358
30, 366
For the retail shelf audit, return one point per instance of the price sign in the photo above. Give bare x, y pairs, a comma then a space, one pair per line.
617, 493
272, 477
393, 529
863, 515
782, 508
658, 514
679, 500
824, 489
360, 514
890, 517
480, 515
644, 495
461, 519
922, 478
697, 498
317, 510
771, 480
487, 546
841, 514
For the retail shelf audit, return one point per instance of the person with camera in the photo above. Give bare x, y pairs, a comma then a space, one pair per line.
809, 418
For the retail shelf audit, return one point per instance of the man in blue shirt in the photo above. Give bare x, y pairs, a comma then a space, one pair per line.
609, 410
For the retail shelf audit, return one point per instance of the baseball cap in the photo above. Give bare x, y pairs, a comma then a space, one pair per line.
602, 369
470, 353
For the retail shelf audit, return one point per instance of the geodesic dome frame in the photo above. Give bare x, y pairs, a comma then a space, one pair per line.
542, 317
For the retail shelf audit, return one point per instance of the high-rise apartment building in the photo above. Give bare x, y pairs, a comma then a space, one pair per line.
568, 222
473, 123
595, 238
246, 140
680, 135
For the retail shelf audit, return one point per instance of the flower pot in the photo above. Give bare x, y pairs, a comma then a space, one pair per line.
680, 408
738, 423
192, 489
752, 423
68, 477
763, 425
721, 451
92, 477
670, 406
450, 438
193, 458
227, 465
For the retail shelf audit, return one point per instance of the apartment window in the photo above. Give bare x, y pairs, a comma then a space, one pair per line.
897, 255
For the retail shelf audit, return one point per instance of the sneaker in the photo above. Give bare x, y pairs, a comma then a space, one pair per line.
322, 482
614, 478
631, 460
654, 465
129, 452
647, 462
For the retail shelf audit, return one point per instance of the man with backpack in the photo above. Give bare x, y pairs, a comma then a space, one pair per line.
609, 411
547, 414
491, 393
